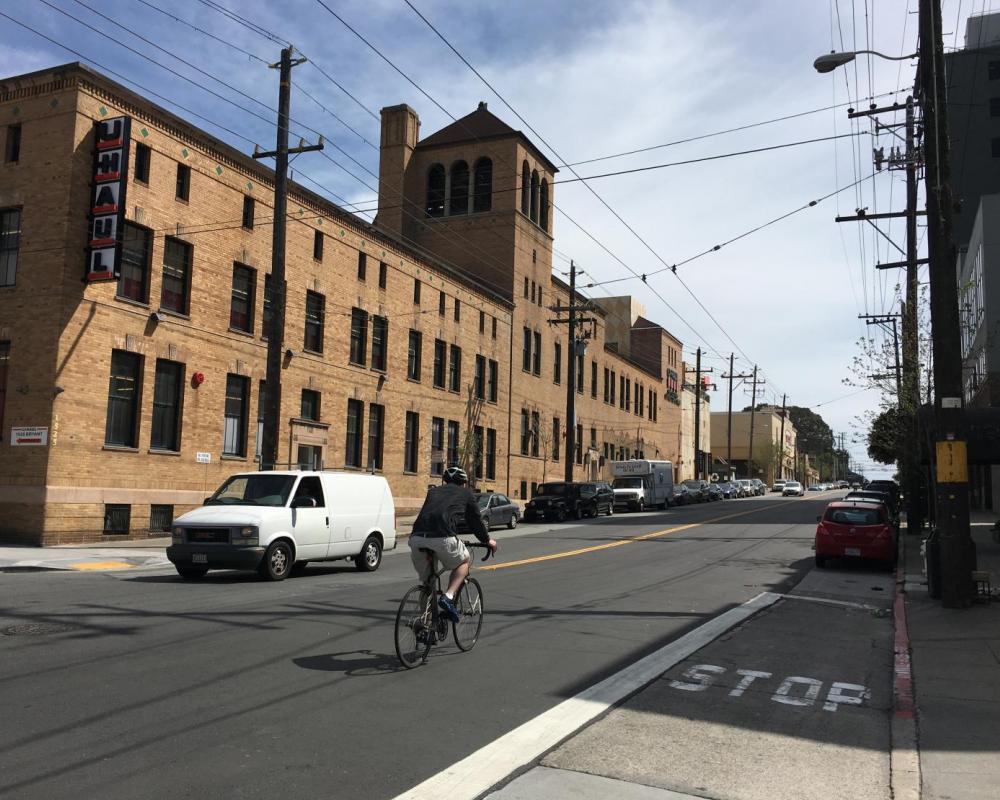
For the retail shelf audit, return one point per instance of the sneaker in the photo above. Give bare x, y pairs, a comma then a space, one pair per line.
448, 607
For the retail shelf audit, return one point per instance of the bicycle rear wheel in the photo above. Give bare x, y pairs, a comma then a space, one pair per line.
470, 614
414, 627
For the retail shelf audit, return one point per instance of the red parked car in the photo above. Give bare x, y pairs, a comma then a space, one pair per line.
857, 529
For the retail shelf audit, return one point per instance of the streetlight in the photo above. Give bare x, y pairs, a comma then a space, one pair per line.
832, 60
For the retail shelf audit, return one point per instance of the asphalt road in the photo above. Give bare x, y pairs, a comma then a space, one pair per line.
137, 684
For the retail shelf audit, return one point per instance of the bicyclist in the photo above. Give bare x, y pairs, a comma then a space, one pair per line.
434, 529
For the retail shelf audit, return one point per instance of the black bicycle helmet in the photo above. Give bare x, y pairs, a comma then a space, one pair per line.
455, 475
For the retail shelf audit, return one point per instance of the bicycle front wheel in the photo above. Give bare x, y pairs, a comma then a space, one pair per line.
469, 604
414, 627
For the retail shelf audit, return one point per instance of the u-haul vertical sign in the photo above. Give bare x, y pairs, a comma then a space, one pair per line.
107, 199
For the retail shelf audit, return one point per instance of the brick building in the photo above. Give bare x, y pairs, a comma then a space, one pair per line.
421, 340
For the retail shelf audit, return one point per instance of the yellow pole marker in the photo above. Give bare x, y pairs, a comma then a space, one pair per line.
92, 565
630, 540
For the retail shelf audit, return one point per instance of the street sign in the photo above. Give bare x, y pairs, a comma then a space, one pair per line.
23, 437
203, 458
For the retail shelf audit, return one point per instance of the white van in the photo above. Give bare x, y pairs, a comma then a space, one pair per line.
640, 484
276, 521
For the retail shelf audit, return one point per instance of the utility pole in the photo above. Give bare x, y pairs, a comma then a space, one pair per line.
951, 456
729, 417
576, 344
753, 412
276, 336
697, 412
883, 320
781, 463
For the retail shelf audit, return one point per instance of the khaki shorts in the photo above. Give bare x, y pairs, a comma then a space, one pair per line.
449, 550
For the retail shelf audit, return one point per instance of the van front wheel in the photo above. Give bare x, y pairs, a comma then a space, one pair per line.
277, 562
370, 557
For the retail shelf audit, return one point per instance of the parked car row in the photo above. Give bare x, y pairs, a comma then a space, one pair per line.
865, 524
557, 501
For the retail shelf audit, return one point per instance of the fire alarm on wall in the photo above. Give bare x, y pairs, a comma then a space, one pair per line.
198, 378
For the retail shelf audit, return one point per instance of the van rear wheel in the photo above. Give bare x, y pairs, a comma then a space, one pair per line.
370, 557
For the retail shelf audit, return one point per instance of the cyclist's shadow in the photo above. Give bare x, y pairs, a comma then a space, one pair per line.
352, 662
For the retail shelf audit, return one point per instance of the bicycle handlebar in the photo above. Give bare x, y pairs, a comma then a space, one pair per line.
480, 544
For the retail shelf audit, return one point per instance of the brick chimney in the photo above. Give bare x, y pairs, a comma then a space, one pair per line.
400, 132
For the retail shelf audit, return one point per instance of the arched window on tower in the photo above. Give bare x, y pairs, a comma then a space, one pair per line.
482, 185
459, 203
525, 188
435, 191
543, 211
534, 196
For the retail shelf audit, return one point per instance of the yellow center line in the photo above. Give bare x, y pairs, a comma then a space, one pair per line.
620, 542
93, 565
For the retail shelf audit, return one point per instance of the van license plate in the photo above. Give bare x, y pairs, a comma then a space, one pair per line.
202, 558
852, 551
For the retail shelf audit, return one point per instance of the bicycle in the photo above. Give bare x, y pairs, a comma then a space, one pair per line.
420, 624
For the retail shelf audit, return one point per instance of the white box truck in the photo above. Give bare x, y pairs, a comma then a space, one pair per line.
640, 484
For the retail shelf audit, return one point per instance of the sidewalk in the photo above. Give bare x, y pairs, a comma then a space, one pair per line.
956, 663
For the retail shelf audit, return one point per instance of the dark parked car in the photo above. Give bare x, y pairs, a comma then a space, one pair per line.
699, 490
559, 500
498, 510
595, 498
729, 490
683, 495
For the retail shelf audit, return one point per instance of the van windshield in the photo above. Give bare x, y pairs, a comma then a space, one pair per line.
262, 489
627, 483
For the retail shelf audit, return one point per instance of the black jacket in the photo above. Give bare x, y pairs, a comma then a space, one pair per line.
443, 506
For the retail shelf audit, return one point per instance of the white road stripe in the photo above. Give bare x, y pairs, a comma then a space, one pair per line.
489, 765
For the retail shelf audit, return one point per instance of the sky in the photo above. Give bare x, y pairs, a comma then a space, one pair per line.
591, 79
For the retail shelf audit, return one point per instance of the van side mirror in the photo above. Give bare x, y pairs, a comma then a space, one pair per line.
207, 501
304, 502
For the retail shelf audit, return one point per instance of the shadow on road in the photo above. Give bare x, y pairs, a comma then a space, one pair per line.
352, 662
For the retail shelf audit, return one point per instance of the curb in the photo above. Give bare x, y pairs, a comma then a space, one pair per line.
904, 755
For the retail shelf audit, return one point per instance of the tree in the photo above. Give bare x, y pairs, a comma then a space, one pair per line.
883, 436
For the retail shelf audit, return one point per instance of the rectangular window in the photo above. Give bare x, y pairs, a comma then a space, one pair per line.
413, 355
362, 265
4, 367
441, 302
234, 434
355, 430
160, 518
524, 489
477, 455
479, 382
168, 387
612, 384
556, 434
318, 245
993, 70
437, 446
376, 425
10, 244
640, 396
995, 106
606, 375
578, 444
525, 432
454, 368
492, 381
440, 354
458, 310
268, 312
482, 322
532, 291
315, 312
493, 327
536, 356
628, 394
557, 363
593, 379
143, 155
117, 518
310, 407
491, 454
539, 295
380, 343
536, 431
526, 287
416, 291
261, 411
183, 186
248, 212
124, 391
995, 147
12, 149
579, 374
176, 288
526, 351
359, 336
452, 442
137, 250
241, 303
411, 441
383, 274
621, 391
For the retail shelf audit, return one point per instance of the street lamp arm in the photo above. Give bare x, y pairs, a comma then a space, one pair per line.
830, 61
